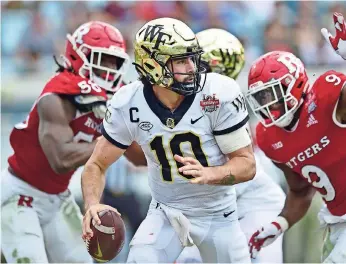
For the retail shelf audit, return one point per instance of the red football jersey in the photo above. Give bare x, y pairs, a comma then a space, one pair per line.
316, 149
29, 161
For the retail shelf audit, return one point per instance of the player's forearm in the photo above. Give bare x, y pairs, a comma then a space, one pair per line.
73, 155
297, 204
236, 170
93, 184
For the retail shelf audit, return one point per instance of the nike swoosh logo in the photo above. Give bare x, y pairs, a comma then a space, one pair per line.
99, 252
196, 120
227, 214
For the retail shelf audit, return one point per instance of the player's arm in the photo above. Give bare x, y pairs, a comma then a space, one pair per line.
93, 175
117, 137
240, 167
93, 181
337, 42
135, 154
241, 164
299, 196
229, 126
56, 135
298, 201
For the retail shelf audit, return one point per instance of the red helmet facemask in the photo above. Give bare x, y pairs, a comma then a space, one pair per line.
97, 51
276, 85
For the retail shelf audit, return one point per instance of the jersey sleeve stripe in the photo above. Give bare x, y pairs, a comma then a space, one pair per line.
111, 140
232, 128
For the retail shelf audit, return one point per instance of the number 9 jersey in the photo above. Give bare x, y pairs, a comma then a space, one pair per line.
191, 130
315, 148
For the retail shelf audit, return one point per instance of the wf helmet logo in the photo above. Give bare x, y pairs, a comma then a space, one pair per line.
155, 32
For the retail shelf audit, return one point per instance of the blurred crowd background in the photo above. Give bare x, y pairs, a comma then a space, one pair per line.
32, 32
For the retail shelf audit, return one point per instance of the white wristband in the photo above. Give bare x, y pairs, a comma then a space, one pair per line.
282, 222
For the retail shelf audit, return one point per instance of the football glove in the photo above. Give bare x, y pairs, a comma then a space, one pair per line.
93, 103
267, 235
338, 42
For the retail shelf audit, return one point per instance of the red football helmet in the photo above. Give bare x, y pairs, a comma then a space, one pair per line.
96, 50
276, 85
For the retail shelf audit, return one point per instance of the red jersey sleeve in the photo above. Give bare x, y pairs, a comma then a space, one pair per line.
68, 83
328, 88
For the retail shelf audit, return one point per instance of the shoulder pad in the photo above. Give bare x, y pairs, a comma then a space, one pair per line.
125, 94
225, 88
329, 85
68, 83
331, 77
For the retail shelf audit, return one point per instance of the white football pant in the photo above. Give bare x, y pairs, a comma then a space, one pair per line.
249, 224
218, 238
39, 227
337, 237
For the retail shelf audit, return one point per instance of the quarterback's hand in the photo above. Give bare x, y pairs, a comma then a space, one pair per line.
338, 42
267, 235
192, 167
92, 213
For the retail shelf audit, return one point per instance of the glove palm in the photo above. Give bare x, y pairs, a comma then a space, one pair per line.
338, 42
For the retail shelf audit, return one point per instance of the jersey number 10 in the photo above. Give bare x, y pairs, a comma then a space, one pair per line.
174, 144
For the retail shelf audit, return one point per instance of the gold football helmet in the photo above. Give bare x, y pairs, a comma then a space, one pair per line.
159, 42
223, 52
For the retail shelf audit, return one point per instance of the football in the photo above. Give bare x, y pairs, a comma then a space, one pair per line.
108, 238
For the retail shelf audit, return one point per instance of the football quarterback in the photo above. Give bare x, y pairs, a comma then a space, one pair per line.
193, 134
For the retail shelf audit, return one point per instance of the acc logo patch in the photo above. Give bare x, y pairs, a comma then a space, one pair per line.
209, 103
145, 125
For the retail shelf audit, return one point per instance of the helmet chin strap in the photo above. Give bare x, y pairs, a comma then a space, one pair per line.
183, 88
189, 88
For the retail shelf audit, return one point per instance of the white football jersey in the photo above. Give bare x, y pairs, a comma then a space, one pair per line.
135, 114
